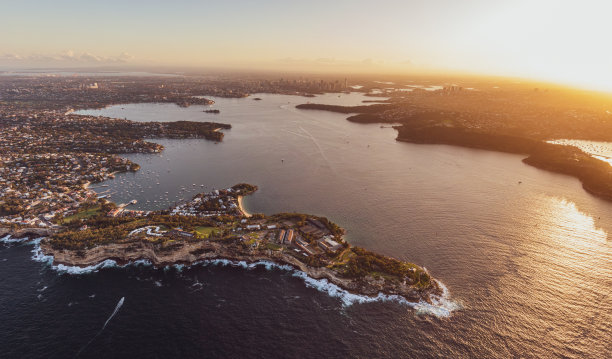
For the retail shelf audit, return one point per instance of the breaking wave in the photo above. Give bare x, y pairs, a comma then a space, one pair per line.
39, 256
9, 239
441, 306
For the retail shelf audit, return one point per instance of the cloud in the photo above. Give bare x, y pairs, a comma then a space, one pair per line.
68, 56
10, 57
331, 62
87, 57
124, 56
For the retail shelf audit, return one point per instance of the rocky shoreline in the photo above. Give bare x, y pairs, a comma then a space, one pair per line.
25, 232
188, 253
310, 245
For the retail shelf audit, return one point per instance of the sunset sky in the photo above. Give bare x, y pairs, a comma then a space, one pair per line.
562, 41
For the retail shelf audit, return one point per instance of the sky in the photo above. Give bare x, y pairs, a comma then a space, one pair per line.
561, 41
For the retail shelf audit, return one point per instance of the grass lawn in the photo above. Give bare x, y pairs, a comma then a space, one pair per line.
273, 246
250, 242
345, 255
87, 213
205, 231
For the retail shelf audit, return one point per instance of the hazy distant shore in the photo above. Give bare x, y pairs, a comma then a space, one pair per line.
592, 172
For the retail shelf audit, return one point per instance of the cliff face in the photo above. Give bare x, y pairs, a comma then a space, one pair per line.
187, 253
26, 232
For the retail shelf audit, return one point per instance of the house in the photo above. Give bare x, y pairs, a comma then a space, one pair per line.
115, 212
303, 246
281, 236
329, 244
288, 237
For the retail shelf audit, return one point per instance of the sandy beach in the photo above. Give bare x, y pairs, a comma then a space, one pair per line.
241, 206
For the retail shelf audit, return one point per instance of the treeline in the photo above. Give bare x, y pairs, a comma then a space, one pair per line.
366, 118
595, 174
465, 138
346, 109
181, 129
90, 232
187, 223
364, 263
11, 205
74, 239
244, 189
296, 217
335, 230
118, 136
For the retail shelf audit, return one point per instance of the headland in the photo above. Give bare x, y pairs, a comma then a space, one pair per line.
50, 155
522, 121
212, 226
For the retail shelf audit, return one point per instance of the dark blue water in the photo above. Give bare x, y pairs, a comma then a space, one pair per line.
202, 311
529, 264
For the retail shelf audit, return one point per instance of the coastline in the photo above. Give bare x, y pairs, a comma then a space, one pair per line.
434, 300
194, 253
25, 232
241, 207
198, 231
593, 173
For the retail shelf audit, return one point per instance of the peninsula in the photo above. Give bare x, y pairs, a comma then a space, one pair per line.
213, 226
50, 156
516, 119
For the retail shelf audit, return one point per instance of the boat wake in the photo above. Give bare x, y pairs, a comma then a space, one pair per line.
441, 306
103, 327
114, 312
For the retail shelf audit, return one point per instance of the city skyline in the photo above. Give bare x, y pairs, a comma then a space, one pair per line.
541, 40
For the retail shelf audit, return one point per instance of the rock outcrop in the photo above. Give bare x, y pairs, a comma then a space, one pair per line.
26, 232
191, 252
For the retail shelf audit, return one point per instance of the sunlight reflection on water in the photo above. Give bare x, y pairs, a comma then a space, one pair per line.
599, 150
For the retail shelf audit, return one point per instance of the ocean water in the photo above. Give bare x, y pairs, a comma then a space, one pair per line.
527, 265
